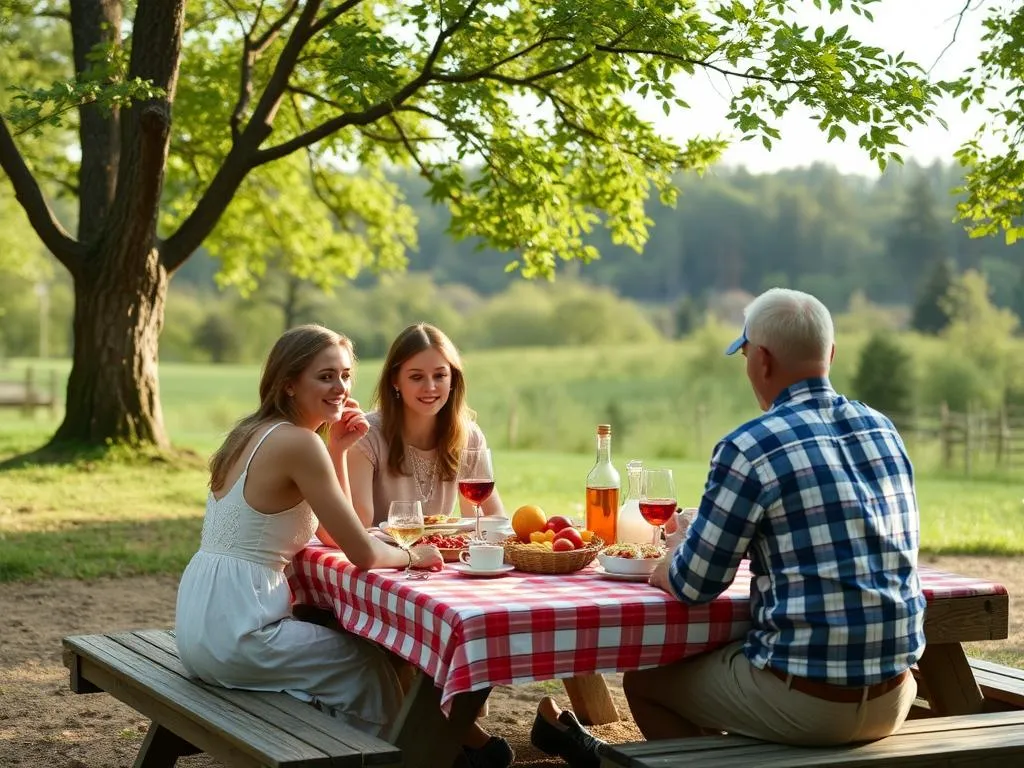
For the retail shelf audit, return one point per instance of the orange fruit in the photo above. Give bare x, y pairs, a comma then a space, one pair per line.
528, 519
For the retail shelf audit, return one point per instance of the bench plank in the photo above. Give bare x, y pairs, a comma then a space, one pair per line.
328, 733
228, 733
999, 682
971, 740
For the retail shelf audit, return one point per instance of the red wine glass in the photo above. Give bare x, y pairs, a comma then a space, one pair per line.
476, 479
657, 498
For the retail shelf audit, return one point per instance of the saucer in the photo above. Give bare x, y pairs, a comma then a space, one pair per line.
464, 570
638, 577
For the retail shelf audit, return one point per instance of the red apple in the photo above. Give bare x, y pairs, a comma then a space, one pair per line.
557, 523
562, 545
571, 535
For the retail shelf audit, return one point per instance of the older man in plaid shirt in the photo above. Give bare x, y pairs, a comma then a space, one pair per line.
819, 492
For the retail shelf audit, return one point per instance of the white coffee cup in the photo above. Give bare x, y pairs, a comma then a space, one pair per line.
483, 557
495, 530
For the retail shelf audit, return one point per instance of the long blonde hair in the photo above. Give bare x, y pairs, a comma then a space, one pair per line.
291, 355
452, 420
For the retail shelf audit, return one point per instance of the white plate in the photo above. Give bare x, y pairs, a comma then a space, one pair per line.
464, 570
457, 524
621, 576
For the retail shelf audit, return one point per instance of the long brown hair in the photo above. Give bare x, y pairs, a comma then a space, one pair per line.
452, 420
291, 355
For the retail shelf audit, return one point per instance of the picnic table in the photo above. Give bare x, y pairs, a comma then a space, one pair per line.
465, 635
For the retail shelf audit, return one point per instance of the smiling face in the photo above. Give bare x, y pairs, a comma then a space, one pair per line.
320, 391
424, 382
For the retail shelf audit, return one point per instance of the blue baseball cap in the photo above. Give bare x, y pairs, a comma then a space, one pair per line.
737, 345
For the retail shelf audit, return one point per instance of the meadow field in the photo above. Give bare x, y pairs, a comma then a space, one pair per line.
668, 404
665, 400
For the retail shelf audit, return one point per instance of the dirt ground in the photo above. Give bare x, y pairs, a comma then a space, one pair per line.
43, 723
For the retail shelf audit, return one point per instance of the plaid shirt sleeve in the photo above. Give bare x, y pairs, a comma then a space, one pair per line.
705, 563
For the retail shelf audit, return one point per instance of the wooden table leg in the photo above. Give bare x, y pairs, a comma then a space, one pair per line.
950, 683
428, 739
591, 700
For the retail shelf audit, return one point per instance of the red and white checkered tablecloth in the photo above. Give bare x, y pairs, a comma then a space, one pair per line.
472, 633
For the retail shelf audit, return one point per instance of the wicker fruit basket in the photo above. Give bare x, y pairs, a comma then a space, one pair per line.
526, 557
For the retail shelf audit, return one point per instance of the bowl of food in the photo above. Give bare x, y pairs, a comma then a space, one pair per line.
450, 545
630, 559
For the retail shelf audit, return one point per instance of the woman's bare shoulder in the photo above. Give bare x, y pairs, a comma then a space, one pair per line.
290, 440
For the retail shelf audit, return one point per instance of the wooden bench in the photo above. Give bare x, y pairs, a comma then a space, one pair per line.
26, 395
1002, 687
989, 739
239, 728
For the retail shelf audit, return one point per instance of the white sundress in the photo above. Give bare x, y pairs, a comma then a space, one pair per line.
234, 625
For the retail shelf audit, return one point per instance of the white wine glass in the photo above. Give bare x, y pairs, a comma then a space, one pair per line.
476, 479
405, 526
657, 498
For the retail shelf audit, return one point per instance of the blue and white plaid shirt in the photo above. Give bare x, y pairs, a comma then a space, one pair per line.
820, 491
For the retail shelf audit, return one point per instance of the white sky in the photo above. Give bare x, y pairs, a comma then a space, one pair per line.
920, 28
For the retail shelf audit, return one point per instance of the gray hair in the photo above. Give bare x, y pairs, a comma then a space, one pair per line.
794, 326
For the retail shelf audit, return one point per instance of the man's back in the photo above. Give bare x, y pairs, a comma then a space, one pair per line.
819, 491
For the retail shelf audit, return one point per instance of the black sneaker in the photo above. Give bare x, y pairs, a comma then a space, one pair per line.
496, 753
573, 743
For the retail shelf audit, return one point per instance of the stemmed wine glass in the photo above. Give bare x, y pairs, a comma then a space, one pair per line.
476, 479
657, 498
405, 526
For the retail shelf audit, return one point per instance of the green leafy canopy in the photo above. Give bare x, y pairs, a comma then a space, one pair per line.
522, 116
993, 201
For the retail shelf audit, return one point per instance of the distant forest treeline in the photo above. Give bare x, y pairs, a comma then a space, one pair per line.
812, 229
852, 241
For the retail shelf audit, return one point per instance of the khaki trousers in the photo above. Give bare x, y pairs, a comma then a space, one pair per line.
721, 690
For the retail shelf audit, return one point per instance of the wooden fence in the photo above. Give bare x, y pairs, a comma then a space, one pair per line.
969, 441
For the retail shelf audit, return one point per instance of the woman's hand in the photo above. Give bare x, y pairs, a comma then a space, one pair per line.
349, 429
426, 557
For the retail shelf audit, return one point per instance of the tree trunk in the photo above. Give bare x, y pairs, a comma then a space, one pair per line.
95, 22
121, 284
113, 391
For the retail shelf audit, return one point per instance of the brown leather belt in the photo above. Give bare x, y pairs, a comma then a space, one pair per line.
840, 694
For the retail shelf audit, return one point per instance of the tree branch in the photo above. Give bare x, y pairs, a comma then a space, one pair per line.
704, 63
956, 30
245, 154
251, 51
479, 74
65, 248
260, 44
331, 15
377, 111
241, 157
314, 96
424, 171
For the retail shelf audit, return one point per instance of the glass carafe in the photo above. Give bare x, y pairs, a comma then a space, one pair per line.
632, 528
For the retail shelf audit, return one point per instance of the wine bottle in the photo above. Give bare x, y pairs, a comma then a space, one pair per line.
603, 489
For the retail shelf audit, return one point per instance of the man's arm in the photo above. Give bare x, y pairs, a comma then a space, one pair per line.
705, 564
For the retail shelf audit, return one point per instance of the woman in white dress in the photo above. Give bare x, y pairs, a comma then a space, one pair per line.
273, 484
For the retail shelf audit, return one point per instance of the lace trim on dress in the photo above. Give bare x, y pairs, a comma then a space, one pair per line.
424, 472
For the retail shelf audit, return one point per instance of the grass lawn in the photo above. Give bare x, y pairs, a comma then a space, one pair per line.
120, 516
